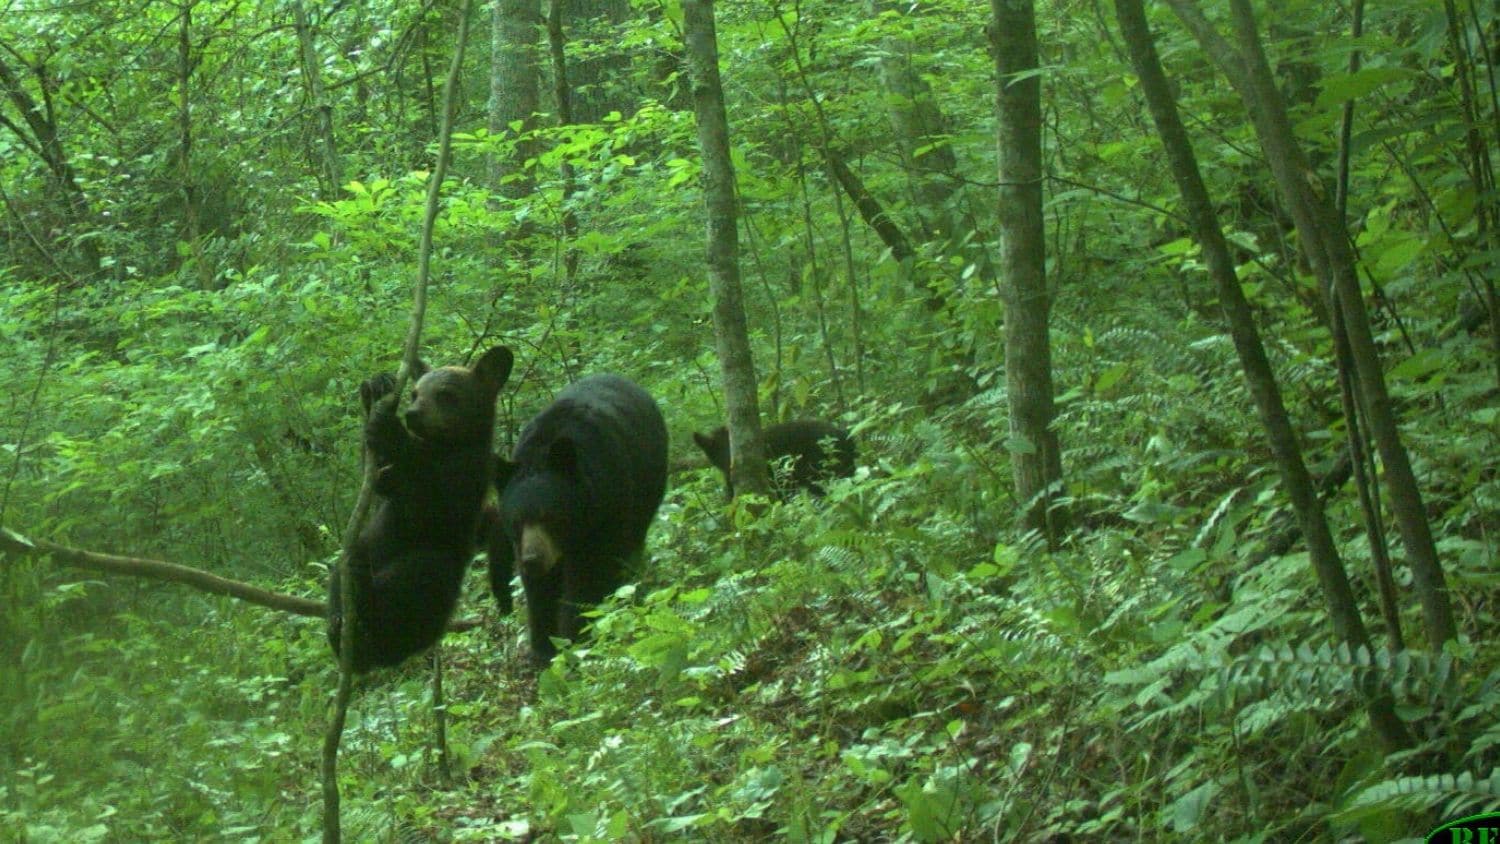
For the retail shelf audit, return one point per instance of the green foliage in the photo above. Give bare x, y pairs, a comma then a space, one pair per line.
895, 662
99, 698
1453, 796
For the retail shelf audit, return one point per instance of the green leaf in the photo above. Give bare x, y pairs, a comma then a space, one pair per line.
930, 808
1187, 811
1110, 377
1187, 560
1421, 365
1338, 88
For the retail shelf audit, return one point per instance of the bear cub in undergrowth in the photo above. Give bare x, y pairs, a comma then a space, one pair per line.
432, 475
587, 476
802, 454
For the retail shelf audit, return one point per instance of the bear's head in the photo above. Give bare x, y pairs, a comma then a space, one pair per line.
543, 505
456, 403
715, 445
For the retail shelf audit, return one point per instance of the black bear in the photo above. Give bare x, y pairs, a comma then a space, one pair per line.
496, 541
589, 473
431, 480
796, 452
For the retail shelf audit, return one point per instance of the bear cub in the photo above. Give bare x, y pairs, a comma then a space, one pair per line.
588, 474
432, 475
802, 454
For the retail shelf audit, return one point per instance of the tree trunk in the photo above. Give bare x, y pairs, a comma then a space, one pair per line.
1359, 461
1480, 166
1028, 351
563, 95
598, 79
330, 169
513, 93
1326, 241
45, 142
737, 368
919, 129
191, 229
1260, 379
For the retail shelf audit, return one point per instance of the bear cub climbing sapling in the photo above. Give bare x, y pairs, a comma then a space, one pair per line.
432, 476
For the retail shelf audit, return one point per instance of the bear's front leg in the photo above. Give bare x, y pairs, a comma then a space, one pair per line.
385, 436
375, 388
387, 441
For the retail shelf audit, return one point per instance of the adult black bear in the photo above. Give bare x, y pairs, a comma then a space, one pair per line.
803, 442
431, 480
589, 473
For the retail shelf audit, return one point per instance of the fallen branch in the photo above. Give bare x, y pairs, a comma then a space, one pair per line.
175, 573
158, 570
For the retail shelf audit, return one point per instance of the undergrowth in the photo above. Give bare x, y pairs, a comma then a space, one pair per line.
864, 667
890, 662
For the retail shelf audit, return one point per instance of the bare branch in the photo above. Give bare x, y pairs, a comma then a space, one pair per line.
159, 570
174, 573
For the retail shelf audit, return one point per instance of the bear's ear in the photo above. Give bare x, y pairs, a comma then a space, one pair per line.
562, 455
715, 445
494, 367
714, 442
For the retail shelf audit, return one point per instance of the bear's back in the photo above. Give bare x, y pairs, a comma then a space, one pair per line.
620, 440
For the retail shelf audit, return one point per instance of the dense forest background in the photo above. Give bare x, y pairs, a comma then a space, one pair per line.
207, 240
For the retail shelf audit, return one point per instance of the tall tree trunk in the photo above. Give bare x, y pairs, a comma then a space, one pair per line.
563, 95
919, 129
192, 233
737, 368
825, 150
1326, 241
1028, 350
513, 94
1359, 456
597, 79
330, 169
42, 137
1480, 165
1260, 379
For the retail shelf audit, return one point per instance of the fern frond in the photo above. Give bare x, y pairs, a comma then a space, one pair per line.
1331, 669
1449, 795
847, 553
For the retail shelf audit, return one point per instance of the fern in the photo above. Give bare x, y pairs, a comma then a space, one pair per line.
1330, 670
1447, 795
1290, 679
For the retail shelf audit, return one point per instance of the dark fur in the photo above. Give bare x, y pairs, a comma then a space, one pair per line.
795, 451
496, 541
590, 471
432, 477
